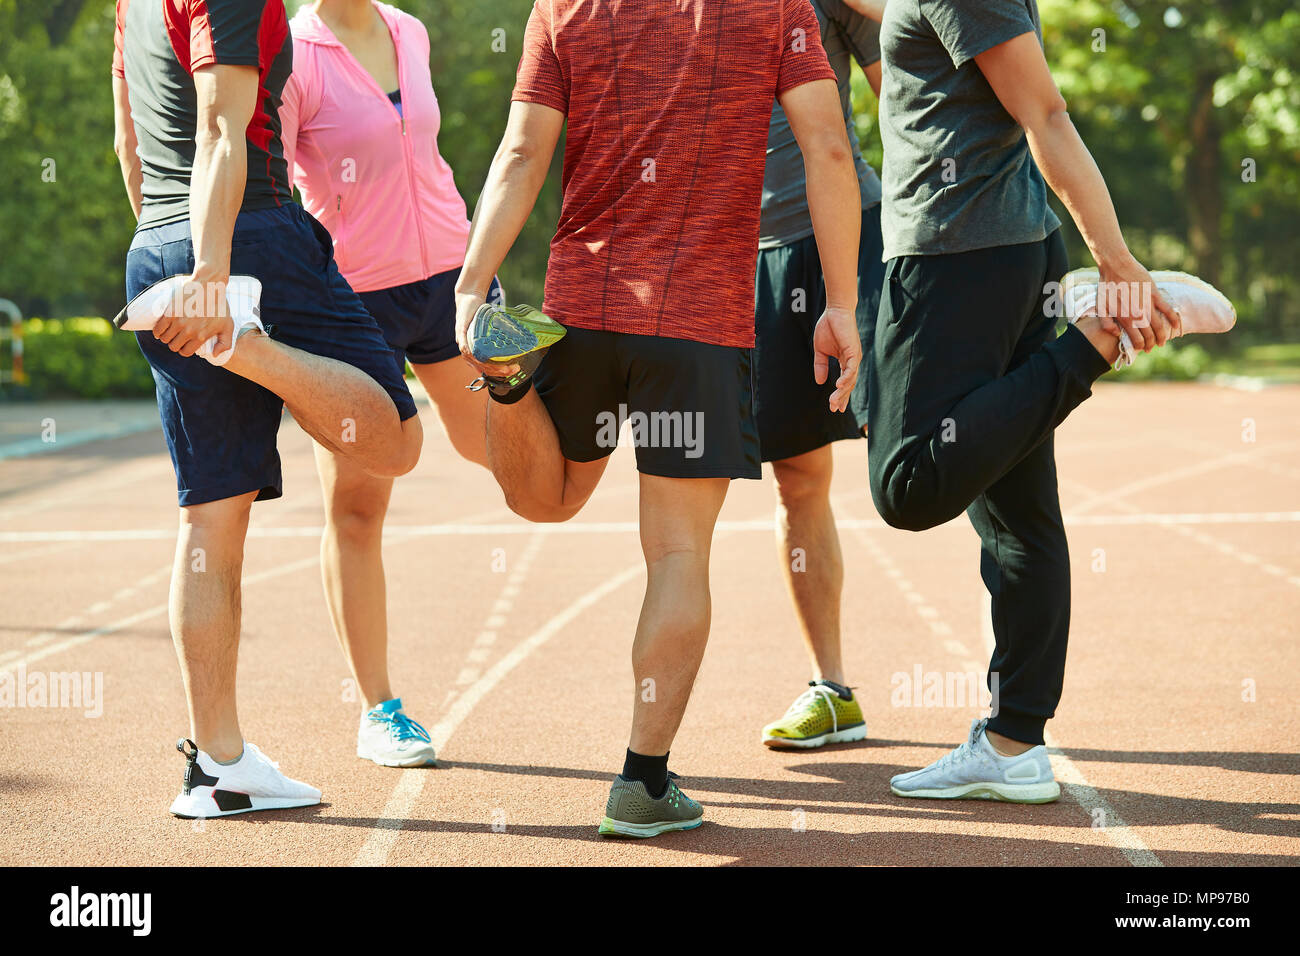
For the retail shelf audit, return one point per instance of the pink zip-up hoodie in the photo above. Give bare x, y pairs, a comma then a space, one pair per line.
373, 178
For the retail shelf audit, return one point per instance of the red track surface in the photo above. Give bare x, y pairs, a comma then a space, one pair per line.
524, 675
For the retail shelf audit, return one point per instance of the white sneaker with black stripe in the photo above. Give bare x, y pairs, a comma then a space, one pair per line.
253, 782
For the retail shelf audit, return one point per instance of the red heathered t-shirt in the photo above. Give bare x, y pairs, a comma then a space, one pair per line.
668, 104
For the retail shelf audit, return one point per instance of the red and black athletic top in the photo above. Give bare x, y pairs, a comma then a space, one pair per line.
159, 44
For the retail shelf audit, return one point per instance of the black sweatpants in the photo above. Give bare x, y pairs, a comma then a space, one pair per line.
968, 380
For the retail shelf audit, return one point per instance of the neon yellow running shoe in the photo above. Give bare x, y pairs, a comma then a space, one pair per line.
820, 715
515, 335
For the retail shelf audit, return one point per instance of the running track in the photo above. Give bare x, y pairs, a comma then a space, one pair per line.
523, 674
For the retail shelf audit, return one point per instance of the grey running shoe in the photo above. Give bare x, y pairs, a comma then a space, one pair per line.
975, 771
632, 812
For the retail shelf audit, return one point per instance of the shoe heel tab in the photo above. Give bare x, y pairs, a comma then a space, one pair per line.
192, 753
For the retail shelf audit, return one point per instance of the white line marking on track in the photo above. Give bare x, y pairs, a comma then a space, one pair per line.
378, 846
1120, 834
157, 611
1077, 787
399, 532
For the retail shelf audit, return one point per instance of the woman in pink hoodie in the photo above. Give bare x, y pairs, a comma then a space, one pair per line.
360, 129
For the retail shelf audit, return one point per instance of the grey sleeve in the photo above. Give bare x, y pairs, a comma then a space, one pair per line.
864, 32
860, 34
967, 28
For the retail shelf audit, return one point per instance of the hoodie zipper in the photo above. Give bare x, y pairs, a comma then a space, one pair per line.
408, 153
408, 157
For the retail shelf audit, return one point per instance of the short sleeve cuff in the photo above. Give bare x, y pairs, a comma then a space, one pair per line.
210, 59
967, 51
806, 76
541, 98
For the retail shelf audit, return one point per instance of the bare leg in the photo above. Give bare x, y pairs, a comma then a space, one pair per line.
815, 577
677, 520
352, 569
205, 618
463, 413
339, 405
539, 483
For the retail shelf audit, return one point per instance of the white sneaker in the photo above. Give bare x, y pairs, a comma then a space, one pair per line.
253, 782
975, 771
391, 739
1201, 307
167, 296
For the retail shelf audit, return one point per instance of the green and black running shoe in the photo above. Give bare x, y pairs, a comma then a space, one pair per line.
514, 335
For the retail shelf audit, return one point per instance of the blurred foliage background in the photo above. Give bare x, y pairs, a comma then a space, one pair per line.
1192, 110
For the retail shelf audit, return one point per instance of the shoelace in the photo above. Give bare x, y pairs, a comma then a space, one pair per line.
966, 751
811, 694
263, 757
401, 727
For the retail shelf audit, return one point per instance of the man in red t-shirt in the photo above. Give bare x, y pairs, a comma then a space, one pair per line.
652, 275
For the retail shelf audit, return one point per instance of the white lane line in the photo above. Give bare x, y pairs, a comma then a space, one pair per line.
1113, 828
1174, 474
157, 611
380, 843
43, 638
374, 852
33, 553
1116, 830
28, 447
1226, 548
72, 494
397, 531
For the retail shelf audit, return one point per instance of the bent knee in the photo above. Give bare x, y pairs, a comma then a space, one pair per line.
401, 456
904, 511
540, 512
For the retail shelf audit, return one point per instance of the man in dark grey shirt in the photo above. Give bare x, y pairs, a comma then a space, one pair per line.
795, 423
968, 378
958, 173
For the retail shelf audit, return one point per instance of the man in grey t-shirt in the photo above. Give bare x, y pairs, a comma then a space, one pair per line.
796, 426
968, 378
957, 173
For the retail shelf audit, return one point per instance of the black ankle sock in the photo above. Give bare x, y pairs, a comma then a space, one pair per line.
512, 396
652, 771
842, 690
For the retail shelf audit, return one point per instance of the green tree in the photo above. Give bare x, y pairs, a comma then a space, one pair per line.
64, 223
1193, 112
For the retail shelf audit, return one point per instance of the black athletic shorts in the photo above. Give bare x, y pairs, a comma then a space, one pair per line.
789, 297
688, 405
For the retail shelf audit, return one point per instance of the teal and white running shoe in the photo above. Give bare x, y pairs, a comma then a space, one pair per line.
511, 335
975, 771
391, 739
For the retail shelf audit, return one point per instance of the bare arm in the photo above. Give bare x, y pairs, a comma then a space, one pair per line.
1017, 71
226, 96
835, 204
875, 9
124, 144
513, 183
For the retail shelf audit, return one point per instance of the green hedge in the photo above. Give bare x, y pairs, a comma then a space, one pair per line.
83, 358
1179, 362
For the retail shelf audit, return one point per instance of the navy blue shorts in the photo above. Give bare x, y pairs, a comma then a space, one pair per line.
419, 319
221, 428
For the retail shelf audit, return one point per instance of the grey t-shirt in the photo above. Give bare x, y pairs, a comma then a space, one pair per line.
957, 172
785, 217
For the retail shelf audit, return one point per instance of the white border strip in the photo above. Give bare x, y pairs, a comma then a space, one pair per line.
629, 527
